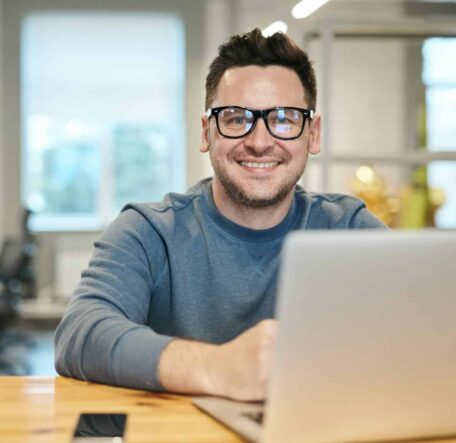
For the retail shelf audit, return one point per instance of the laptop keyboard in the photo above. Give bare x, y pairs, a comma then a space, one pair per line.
255, 416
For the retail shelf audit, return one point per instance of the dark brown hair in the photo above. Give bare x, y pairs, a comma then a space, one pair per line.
253, 48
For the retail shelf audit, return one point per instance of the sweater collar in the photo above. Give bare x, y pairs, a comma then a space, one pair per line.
287, 224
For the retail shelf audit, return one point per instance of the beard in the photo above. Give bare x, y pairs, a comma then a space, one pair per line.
241, 195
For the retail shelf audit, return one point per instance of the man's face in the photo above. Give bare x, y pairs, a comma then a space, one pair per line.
258, 170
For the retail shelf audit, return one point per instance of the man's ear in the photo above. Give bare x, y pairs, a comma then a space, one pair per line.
315, 135
204, 147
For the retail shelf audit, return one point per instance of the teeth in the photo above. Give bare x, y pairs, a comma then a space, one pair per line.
259, 165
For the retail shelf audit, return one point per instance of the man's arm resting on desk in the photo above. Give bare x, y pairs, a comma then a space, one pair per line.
238, 369
104, 335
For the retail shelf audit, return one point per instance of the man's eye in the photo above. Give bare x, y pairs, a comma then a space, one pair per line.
236, 120
283, 121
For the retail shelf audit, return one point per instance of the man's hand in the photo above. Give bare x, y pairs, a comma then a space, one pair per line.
238, 369
241, 369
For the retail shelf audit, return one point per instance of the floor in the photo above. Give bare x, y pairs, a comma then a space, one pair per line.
41, 356
27, 351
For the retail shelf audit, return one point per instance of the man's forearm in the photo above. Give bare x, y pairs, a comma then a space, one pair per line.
237, 369
188, 367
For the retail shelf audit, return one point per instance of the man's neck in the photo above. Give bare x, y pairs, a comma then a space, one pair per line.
251, 217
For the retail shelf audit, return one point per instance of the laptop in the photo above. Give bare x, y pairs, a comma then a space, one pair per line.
366, 345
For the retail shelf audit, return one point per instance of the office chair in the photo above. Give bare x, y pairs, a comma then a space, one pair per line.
17, 281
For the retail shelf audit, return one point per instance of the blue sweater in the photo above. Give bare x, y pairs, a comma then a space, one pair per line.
179, 268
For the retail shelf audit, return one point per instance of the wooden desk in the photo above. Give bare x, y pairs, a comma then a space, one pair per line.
45, 409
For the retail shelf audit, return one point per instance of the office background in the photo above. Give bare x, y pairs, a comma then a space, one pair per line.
101, 104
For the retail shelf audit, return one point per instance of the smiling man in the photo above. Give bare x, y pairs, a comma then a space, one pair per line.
259, 146
180, 295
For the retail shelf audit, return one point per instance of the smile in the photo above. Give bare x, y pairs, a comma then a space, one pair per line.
259, 165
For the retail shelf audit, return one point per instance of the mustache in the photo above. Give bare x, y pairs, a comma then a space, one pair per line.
270, 155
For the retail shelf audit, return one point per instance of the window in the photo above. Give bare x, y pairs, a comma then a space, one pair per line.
102, 114
399, 120
439, 78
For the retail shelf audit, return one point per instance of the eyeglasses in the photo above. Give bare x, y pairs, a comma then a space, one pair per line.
284, 123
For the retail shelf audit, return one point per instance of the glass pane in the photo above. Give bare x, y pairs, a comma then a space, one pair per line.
62, 166
442, 177
441, 118
102, 113
439, 77
439, 61
343, 176
401, 194
141, 163
378, 185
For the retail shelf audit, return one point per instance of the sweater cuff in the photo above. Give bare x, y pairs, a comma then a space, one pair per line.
136, 359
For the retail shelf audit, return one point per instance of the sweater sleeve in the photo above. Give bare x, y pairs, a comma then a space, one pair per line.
103, 335
337, 211
364, 219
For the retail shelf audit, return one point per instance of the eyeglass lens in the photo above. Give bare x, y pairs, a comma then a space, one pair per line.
282, 122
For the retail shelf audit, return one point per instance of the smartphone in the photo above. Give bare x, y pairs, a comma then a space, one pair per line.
100, 428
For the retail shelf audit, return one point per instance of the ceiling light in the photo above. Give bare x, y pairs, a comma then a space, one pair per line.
274, 27
306, 7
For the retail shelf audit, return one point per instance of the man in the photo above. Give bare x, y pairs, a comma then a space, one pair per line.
180, 295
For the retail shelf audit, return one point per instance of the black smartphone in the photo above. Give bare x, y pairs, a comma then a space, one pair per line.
100, 428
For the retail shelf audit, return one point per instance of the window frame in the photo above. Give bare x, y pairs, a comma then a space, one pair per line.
409, 157
14, 12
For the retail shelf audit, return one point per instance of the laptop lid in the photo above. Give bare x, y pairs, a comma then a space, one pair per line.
366, 346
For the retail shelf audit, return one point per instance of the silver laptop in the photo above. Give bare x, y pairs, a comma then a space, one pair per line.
366, 346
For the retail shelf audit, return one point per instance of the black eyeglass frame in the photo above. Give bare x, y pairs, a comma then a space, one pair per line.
263, 113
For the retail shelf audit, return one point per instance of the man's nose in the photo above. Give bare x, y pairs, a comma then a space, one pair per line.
259, 139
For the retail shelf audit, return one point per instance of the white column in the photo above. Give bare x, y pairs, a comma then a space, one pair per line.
326, 57
218, 27
2, 145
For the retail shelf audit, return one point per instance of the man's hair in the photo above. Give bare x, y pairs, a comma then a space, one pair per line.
252, 48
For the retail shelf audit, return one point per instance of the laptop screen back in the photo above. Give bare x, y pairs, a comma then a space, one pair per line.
366, 348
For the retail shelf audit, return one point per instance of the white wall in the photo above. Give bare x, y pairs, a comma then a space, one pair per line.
1, 130
367, 107
219, 21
